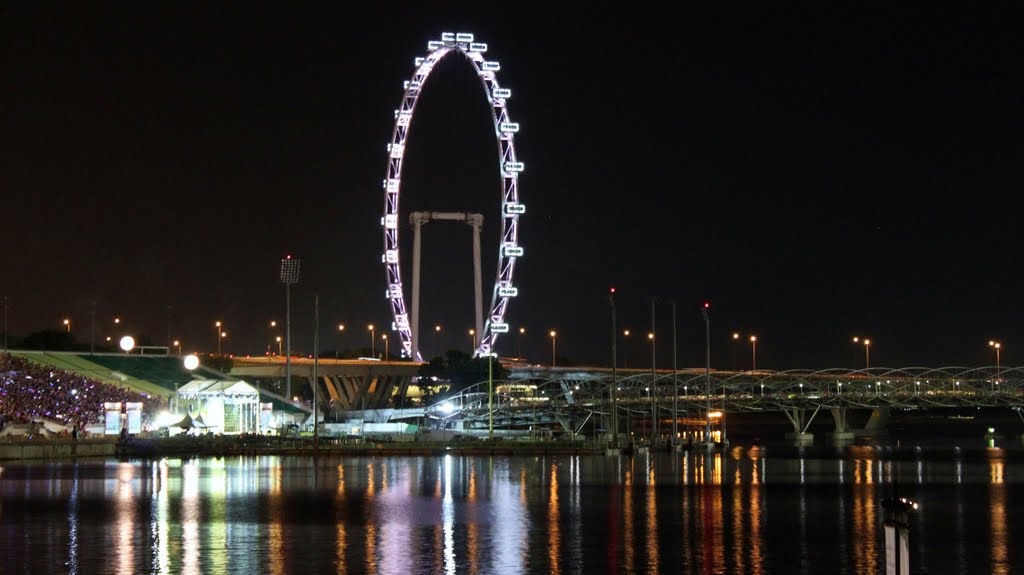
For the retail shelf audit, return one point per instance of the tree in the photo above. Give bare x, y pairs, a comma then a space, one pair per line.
461, 370
49, 339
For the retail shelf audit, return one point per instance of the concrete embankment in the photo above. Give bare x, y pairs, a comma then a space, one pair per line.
56, 449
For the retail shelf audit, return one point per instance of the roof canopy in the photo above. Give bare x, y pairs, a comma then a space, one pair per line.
216, 387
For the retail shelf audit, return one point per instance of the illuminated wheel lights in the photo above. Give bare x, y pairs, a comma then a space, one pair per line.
508, 165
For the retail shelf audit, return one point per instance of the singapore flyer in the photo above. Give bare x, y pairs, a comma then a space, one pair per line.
457, 45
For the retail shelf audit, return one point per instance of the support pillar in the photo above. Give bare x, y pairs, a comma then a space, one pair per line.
476, 221
801, 423
843, 434
417, 219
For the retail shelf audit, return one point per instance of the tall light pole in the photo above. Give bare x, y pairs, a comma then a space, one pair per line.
67, 324
290, 268
615, 379
519, 343
654, 414
552, 334
707, 373
373, 341
177, 344
997, 346
384, 336
675, 382
753, 351
867, 350
279, 352
337, 350
472, 336
217, 325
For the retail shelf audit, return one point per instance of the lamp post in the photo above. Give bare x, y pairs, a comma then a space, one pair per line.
384, 336
337, 350
373, 340
615, 380
290, 268
753, 347
707, 374
654, 384
219, 335
67, 324
519, 343
997, 346
279, 352
867, 350
177, 344
553, 336
472, 336
434, 342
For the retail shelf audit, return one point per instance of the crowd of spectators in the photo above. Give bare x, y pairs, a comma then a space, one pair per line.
29, 391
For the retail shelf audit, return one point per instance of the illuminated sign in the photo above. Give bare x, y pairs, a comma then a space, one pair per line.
499, 328
512, 127
478, 47
434, 45
391, 256
491, 66
502, 93
463, 37
447, 37
134, 412
392, 185
512, 251
508, 291
390, 222
112, 418
512, 208
402, 320
514, 166
396, 150
395, 291
418, 61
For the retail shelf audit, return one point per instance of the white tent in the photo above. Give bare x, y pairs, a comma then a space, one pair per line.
224, 406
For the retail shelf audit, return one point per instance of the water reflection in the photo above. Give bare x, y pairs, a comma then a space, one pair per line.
657, 513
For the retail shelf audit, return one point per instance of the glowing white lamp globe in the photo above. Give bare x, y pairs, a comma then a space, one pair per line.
127, 343
191, 361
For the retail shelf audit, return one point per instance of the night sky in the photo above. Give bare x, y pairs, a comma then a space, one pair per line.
814, 174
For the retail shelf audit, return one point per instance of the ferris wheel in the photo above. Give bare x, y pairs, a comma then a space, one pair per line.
509, 166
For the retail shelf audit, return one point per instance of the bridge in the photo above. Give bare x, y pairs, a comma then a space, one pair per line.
572, 399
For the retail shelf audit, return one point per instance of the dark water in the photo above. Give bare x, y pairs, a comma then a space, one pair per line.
749, 511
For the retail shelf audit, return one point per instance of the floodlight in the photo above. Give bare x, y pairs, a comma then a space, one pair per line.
290, 270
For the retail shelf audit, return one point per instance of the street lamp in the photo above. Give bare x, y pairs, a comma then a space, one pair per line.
67, 324
553, 335
337, 350
867, 351
384, 336
753, 347
519, 342
290, 269
177, 344
472, 335
220, 335
279, 352
997, 346
373, 341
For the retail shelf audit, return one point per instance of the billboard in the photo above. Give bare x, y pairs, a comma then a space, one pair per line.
112, 418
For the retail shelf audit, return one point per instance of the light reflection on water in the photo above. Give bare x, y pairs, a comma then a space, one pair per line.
741, 512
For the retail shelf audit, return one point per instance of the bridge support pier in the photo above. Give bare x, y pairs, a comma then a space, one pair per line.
843, 435
801, 423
